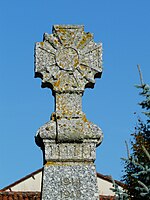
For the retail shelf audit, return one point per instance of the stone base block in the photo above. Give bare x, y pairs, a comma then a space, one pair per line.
70, 181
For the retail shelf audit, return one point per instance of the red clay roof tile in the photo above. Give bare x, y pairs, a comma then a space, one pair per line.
19, 195
34, 196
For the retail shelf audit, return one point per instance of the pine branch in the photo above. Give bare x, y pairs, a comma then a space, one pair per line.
134, 163
120, 193
144, 186
146, 152
145, 171
127, 147
140, 73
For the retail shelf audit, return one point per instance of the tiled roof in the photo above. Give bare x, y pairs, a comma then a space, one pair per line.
19, 195
101, 197
109, 179
34, 196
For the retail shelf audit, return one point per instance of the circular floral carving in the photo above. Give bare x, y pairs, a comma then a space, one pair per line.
67, 58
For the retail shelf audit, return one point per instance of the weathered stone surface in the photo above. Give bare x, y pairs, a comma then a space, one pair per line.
72, 130
71, 181
70, 151
69, 105
68, 61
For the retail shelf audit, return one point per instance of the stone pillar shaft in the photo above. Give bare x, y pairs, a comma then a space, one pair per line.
68, 105
71, 181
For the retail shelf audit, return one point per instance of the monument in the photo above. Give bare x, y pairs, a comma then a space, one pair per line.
68, 61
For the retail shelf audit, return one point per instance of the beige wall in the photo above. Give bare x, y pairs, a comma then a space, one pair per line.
31, 184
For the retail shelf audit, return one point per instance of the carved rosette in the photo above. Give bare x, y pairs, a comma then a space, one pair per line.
68, 59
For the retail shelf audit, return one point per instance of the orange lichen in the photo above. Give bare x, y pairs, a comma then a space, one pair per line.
56, 41
84, 39
42, 43
76, 62
61, 30
57, 83
82, 67
84, 118
53, 116
89, 125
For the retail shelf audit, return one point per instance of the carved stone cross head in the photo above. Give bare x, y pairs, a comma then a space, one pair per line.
68, 60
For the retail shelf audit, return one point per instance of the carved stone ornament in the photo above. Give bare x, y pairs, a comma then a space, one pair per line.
68, 59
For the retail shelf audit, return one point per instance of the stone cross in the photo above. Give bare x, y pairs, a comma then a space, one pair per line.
68, 61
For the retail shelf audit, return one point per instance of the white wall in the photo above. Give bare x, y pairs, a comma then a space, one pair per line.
31, 184
104, 187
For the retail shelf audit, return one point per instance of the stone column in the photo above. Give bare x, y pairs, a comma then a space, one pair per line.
68, 61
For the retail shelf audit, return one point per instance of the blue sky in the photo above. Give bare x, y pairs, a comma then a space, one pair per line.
124, 29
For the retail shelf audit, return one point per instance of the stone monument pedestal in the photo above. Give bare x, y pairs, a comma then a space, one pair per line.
69, 180
69, 170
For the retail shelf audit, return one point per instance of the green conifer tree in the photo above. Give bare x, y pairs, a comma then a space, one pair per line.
137, 166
